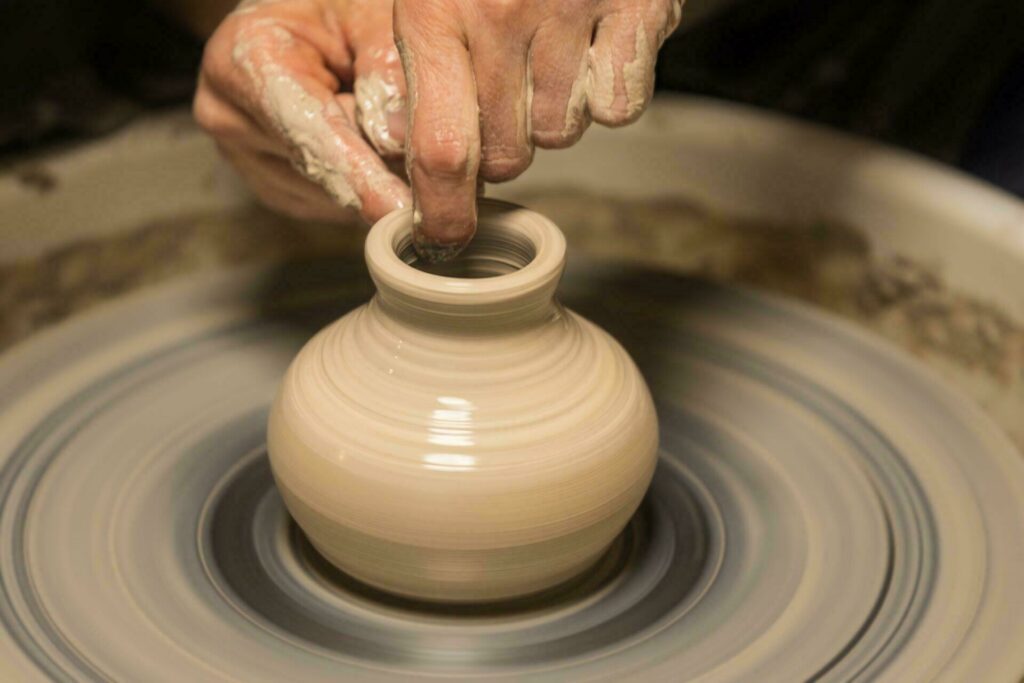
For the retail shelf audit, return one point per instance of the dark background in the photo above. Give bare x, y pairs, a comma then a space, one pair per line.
942, 77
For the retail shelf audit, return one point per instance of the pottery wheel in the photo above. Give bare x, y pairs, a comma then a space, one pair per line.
823, 509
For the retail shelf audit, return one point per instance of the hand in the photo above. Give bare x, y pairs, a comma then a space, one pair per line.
276, 92
489, 79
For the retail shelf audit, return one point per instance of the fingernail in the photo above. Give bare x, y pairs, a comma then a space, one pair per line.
430, 250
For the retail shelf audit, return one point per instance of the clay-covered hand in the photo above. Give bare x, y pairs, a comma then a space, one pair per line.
490, 79
286, 87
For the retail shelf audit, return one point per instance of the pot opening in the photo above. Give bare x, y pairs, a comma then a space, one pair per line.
494, 251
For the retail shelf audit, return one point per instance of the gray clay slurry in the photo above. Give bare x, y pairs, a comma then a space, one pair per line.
823, 508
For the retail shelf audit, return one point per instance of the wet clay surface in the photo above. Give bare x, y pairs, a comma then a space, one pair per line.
973, 345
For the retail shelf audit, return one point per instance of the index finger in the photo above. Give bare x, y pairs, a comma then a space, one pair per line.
443, 141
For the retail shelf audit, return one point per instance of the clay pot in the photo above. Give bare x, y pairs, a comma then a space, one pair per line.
462, 436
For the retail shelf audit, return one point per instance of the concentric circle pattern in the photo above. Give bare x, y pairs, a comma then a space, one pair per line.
823, 509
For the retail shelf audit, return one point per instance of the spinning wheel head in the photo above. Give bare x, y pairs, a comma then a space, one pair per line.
821, 507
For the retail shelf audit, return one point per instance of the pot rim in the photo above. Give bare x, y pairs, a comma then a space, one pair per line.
537, 278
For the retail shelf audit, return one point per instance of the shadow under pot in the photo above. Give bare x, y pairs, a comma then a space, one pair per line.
463, 437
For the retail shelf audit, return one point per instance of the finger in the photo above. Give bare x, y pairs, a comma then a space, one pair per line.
443, 147
559, 63
394, 164
379, 82
296, 99
278, 185
230, 125
621, 78
503, 85
294, 31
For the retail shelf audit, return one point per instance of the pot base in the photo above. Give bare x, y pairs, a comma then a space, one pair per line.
453, 577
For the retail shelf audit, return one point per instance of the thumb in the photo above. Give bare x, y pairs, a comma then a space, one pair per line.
379, 86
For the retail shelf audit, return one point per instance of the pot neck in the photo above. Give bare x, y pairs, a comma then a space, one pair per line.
506, 277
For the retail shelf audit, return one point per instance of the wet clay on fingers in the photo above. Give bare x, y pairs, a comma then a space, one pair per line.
276, 89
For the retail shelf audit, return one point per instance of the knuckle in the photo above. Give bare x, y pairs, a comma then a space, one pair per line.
498, 164
446, 156
240, 40
206, 113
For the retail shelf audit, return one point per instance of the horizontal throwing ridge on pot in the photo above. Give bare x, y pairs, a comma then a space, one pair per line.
464, 437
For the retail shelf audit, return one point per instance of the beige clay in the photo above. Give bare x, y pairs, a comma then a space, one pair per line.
464, 438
